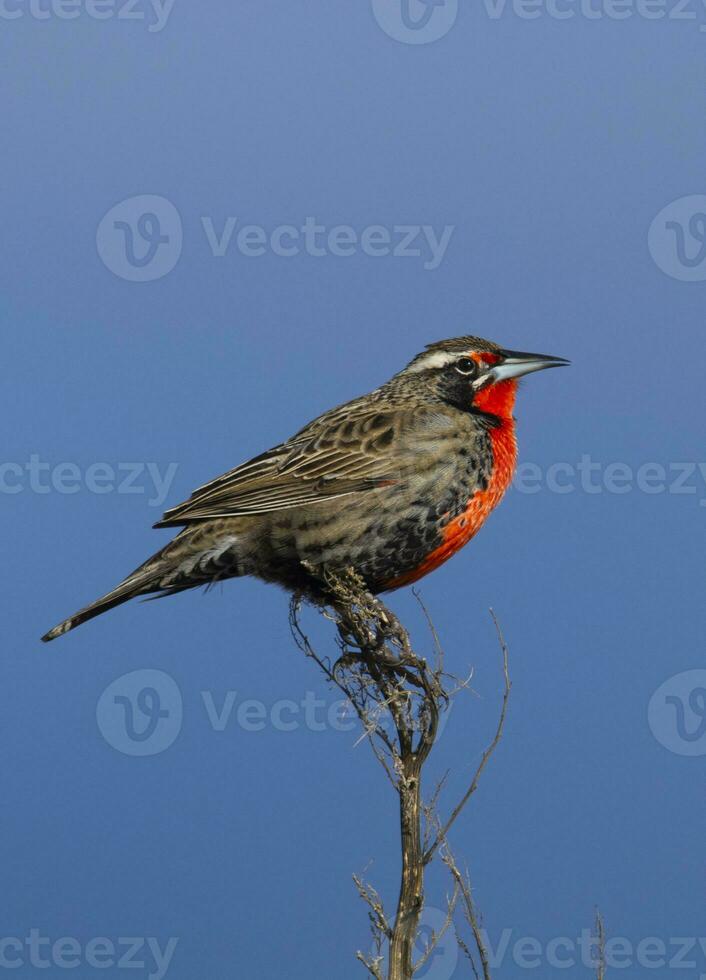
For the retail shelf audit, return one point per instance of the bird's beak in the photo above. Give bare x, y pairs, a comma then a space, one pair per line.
515, 364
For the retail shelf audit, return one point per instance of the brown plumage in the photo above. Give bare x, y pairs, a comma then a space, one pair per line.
390, 484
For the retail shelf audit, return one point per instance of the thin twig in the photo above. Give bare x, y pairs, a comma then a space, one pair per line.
486, 755
432, 629
600, 944
464, 885
436, 937
377, 911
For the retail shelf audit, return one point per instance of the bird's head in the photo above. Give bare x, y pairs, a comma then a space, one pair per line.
469, 372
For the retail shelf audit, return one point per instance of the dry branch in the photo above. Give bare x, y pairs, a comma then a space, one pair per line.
380, 674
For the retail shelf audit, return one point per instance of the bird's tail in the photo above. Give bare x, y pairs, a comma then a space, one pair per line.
194, 557
143, 581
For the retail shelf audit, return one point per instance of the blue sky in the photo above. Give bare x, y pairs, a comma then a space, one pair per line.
533, 158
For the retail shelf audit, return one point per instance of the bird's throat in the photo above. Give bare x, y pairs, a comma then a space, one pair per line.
497, 399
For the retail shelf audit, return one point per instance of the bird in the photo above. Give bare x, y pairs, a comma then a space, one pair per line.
390, 485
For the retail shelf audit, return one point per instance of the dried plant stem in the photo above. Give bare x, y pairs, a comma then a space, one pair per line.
379, 673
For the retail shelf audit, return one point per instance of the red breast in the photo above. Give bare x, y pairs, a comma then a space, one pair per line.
498, 400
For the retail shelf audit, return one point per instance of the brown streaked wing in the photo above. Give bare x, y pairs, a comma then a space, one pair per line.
332, 457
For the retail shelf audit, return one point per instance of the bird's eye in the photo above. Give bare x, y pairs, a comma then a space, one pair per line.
466, 366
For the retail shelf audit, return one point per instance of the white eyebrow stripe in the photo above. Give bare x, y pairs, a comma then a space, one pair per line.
434, 359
